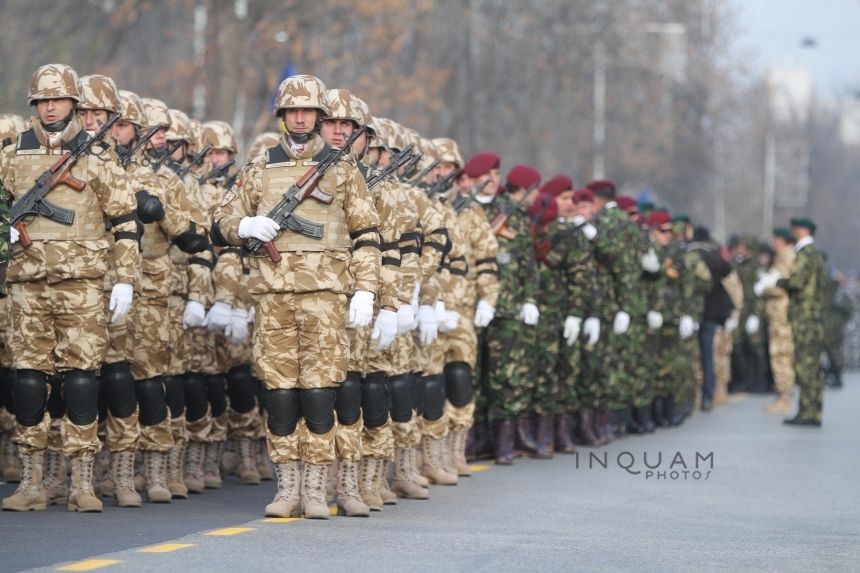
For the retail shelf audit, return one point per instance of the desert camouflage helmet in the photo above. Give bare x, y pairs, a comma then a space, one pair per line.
448, 151
54, 81
366, 118
11, 125
262, 142
156, 112
380, 139
196, 144
344, 106
299, 92
179, 128
219, 135
132, 108
99, 92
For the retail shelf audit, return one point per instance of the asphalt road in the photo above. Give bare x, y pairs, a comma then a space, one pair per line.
771, 498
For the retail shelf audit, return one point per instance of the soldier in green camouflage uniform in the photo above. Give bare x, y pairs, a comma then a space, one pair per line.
748, 353
4, 239
838, 311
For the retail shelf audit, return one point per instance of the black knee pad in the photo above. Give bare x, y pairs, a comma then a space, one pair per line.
400, 390
374, 400
174, 395
318, 409
102, 406
347, 401
7, 382
30, 397
418, 393
242, 389
150, 396
261, 395
196, 401
118, 388
216, 393
81, 393
283, 409
434, 396
56, 405
458, 383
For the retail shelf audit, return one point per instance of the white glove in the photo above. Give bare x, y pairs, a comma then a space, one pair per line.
592, 329
13, 235
452, 319
655, 319
258, 227
578, 220
405, 318
218, 317
529, 314
650, 262
415, 294
427, 328
752, 324
360, 309
696, 326
687, 327
237, 330
589, 231
385, 328
194, 314
758, 289
769, 280
731, 325
621, 323
252, 314
440, 312
571, 329
484, 314
120, 300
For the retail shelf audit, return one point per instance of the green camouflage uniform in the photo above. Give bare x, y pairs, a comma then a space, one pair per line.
701, 283
748, 353
838, 311
674, 365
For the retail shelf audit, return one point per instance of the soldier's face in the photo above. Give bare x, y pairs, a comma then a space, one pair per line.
335, 132
432, 176
662, 235
531, 198
779, 244
373, 156
51, 110
93, 119
384, 158
464, 183
218, 157
158, 140
123, 132
446, 169
585, 209
492, 178
300, 120
179, 153
566, 206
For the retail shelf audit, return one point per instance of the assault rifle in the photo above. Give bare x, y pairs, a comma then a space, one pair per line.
166, 156
442, 184
499, 222
218, 172
197, 159
418, 178
298, 192
126, 155
407, 171
33, 202
462, 201
396, 162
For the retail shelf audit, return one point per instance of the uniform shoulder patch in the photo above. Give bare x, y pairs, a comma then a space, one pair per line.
228, 196
349, 160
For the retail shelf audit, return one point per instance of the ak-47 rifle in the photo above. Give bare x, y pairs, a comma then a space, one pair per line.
197, 159
499, 222
33, 202
298, 192
420, 177
218, 172
410, 167
442, 184
166, 156
396, 162
462, 201
126, 155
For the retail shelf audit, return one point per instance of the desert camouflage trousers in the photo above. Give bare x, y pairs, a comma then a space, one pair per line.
781, 350
178, 346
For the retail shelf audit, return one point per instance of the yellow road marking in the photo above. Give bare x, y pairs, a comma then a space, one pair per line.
479, 467
281, 519
230, 531
165, 548
737, 397
89, 565
332, 511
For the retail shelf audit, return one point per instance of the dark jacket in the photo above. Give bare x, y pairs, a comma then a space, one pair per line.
718, 303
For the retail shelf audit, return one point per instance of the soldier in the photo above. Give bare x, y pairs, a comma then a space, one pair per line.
748, 362
837, 313
300, 342
64, 263
780, 342
805, 286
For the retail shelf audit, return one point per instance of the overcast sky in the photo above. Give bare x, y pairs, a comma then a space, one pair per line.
774, 29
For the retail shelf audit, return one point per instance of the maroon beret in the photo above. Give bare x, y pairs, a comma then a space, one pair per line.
584, 195
601, 184
557, 185
481, 163
658, 218
523, 176
546, 203
625, 203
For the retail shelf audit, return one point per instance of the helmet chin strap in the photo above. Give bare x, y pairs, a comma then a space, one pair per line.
58, 125
304, 137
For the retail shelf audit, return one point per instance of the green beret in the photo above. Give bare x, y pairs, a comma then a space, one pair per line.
645, 206
805, 223
682, 219
783, 233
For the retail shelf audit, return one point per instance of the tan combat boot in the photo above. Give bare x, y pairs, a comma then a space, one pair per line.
122, 476
247, 469
157, 488
82, 497
175, 471
404, 484
194, 467
433, 470
457, 450
388, 497
371, 473
288, 502
348, 498
30, 495
9, 454
229, 458
418, 463
261, 452
331, 483
101, 473
781, 407
139, 473
55, 478
314, 505
211, 465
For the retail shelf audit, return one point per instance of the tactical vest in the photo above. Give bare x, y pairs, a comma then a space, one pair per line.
280, 173
31, 160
